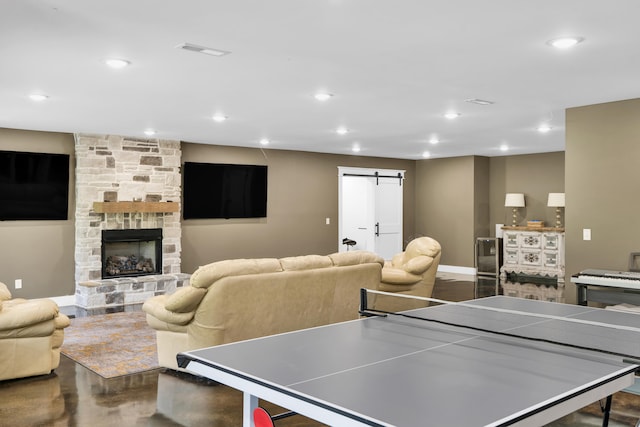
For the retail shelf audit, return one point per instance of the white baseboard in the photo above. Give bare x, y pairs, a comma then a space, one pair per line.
456, 269
64, 301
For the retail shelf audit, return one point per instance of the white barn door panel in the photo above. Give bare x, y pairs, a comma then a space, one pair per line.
370, 210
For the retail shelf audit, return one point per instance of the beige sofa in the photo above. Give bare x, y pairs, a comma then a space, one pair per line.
239, 299
31, 333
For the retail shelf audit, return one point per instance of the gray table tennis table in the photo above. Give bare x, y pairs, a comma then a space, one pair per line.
398, 371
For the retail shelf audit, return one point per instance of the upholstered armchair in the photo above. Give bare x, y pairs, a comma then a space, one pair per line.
31, 334
412, 272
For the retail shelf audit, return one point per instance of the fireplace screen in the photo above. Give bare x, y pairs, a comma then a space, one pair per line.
131, 252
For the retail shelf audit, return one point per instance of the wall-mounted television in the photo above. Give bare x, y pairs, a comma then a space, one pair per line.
215, 190
34, 186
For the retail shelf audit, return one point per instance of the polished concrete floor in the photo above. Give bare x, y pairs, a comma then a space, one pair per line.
75, 396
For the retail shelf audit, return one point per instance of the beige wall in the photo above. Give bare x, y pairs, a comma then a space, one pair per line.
448, 199
603, 173
461, 198
445, 206
302, 193
39, 252
535, 175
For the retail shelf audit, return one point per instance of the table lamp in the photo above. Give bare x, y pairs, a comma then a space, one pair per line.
556, 200
515, 201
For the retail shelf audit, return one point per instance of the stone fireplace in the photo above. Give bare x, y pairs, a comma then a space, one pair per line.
124, 188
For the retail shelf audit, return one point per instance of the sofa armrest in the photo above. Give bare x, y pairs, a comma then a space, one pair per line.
17, 314
419, 264
156, 307
396, 276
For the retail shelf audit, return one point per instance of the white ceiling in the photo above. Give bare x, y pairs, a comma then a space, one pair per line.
394, 67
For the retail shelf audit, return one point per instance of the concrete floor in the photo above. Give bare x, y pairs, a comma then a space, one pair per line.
75, 396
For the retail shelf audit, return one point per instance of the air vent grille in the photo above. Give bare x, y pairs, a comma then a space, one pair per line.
202, 49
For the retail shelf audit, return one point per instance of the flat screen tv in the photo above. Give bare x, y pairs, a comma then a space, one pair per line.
214, 190
34, 186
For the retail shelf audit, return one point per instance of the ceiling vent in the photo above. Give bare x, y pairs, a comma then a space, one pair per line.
203, 49
478, 101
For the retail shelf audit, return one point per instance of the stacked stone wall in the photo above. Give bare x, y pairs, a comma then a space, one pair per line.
112, 168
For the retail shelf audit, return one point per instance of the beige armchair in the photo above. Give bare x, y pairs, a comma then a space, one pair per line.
412, 272
31, 334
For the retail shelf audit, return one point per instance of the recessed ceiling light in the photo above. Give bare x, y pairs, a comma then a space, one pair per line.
479, 101
202, 49
504, 147
355, 148
219, 118
323, 96
342, 130
426, 154
149, 132
264, 141
434, 140
544, 128
117, 63
38, 97
565, 42
452, 115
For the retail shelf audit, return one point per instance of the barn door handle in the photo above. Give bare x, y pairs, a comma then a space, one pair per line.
377, 229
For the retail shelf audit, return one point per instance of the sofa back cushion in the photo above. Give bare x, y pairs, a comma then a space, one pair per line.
206, 275
305, 262
355, 258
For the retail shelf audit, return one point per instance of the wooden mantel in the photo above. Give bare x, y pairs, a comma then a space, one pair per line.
135, 207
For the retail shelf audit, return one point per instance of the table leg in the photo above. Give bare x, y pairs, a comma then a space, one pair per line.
607, 411
581, 291
250, 402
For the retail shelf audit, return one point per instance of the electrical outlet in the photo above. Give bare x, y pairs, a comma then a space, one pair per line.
328, 221
18, 284
586, 234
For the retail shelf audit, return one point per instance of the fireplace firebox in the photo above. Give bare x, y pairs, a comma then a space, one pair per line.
127, 253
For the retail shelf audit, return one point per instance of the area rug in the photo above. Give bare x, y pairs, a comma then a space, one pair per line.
112, 345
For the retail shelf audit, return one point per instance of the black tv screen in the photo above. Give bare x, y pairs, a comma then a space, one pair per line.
34, 186
214, 190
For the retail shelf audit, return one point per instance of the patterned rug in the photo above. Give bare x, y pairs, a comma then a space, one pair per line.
112, 345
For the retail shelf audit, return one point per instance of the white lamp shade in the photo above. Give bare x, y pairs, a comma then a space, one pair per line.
556, 200
514, 200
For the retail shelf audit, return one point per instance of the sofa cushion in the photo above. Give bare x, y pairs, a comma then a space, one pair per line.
305, 262
185, 299
205, 276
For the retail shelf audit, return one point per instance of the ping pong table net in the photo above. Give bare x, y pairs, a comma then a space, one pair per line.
567, 331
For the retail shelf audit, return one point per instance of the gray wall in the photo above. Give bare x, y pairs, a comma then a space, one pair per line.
603, 173
39, 252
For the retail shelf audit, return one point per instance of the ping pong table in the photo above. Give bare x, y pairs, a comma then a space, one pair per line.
404, 371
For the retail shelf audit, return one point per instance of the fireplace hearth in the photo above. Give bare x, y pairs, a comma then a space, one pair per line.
131, 252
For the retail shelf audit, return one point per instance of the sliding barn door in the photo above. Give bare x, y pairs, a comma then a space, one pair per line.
370, 210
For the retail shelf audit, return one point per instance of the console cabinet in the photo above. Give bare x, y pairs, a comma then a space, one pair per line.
533, 251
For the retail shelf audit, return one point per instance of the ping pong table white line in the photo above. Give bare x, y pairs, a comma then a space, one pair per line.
377, 362
508, 311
